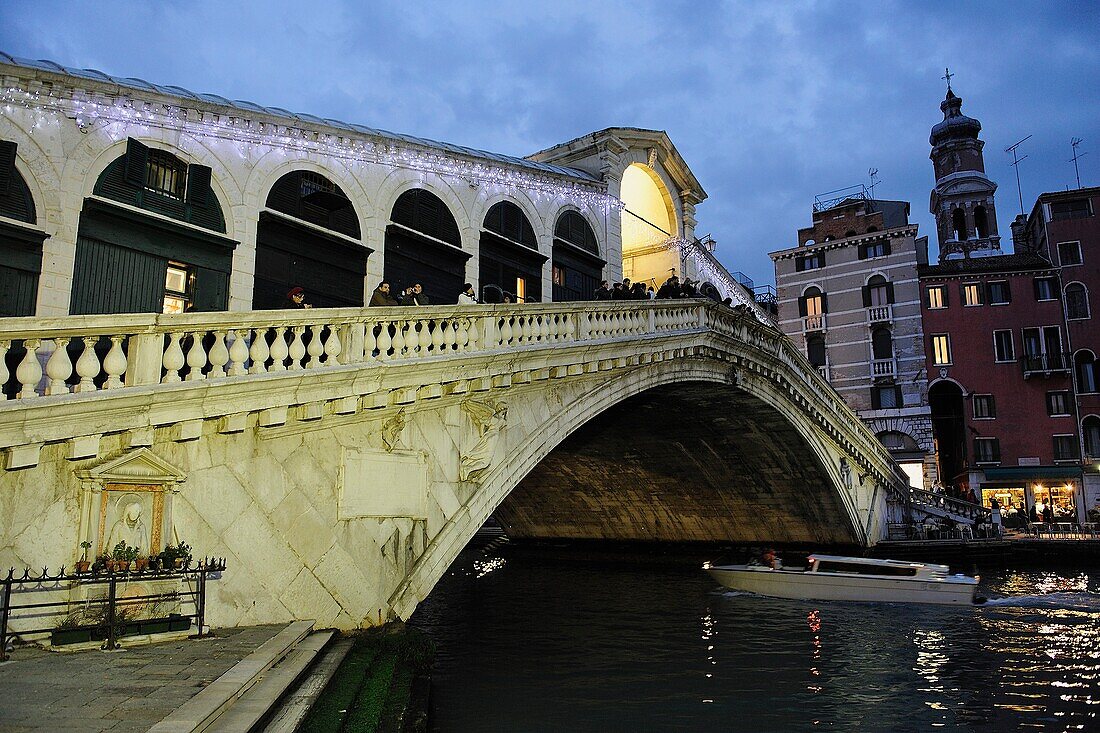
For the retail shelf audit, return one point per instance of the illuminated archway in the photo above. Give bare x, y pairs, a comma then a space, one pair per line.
648, 219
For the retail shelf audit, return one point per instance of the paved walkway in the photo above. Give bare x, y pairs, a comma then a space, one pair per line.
127, 690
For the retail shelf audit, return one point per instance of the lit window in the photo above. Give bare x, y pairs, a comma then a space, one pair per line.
941, 349
177, 288
165, 174
937, 297
1065, 447
987, 450
521, 290
1077, 301
999, 293
1003, 347
558, 275
984, 407
1069, 253
972, 294
1058, 403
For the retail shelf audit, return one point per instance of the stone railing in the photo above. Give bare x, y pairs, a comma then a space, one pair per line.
883, 367
880, 314
78, 354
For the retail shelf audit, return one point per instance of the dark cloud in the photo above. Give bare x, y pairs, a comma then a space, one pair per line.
770, 103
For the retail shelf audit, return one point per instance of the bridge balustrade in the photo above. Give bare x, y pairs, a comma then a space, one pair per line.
78, 354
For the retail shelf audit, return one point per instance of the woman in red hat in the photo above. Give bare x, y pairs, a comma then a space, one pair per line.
296, 298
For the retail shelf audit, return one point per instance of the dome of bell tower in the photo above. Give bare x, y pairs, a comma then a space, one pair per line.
955, 125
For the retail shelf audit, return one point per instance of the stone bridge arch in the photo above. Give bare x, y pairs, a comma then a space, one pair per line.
832, 508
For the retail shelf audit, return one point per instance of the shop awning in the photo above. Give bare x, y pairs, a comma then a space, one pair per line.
1036, 473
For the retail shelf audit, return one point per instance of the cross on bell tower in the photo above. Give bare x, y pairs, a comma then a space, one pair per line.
962, 200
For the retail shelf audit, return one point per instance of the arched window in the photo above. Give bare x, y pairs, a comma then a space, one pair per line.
423, 246
1084, 363
1090, 429
958, 224
897, 441
850, 233
294, 248
815, 349
812, 302
20, 247
577, 266
882, 344
1077, 301
878, 292
981, 222
509, 257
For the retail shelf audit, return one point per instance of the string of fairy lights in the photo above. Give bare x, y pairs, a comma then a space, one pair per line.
120, 116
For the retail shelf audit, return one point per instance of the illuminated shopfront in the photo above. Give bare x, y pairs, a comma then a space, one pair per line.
1035, 487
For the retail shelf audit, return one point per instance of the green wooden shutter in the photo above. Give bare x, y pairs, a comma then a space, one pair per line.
7, 164
110, 279
866, 296
802, 305
198, 185
890, 293
137, 159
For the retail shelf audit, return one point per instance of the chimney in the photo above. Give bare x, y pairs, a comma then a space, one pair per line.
1020, 240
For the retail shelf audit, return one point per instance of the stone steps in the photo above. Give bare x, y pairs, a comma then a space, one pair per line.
298, 703
203, 710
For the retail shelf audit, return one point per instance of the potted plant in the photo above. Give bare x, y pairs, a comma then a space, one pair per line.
141, 563
102, 563
82, 565
175, 556
121, 557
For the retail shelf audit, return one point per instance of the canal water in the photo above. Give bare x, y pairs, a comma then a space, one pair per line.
571, 639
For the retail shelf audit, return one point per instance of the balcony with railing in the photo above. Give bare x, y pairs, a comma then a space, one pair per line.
880, 314
884, 368
813, 323
1046, 364
823, 370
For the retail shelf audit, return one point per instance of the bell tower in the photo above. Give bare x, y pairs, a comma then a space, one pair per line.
962, 200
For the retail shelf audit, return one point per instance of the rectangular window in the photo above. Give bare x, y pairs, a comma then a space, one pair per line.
1069, 253
937, 297
165, 174
987, 450
1065, 447
1077, 301
815, 305
1003, 347
1058, 403
999, 293
885, 397
941, 349
812, 261
1076, 209
177, 288
972, 294
1046, 288
558, 275
877, 249
984, 407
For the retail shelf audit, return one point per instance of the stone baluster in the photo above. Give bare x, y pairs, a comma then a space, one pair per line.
172, 361
333, 346
58, 368
530, 329
219, 356
384, 340
506, 331
4, 346
315, 348
196, 357
259, 352
442, 334
114, 364
279, 349
400, 344
238, 353
87, 366
462, 335
553, 325
297, 350
544, 329
370, 344
29, 371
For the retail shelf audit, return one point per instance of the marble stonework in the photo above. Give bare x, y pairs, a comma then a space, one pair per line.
343, 494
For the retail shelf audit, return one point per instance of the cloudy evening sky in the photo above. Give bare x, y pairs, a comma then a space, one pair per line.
769, 103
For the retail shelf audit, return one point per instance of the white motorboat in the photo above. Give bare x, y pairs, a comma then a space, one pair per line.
836, 578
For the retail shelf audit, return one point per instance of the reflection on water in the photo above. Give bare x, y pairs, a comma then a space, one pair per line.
576, 642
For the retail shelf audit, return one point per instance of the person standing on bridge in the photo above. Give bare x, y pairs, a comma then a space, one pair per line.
381, 295
603, 292
467, 296
296, 298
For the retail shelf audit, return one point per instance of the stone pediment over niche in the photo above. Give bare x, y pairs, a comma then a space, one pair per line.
139, 466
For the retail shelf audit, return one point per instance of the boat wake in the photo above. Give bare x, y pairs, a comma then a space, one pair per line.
1067, 601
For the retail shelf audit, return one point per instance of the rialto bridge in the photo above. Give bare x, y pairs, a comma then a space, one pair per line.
341, 458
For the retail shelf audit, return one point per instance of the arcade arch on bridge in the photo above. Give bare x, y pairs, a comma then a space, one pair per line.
20, 246
424, 245
647, 222
510, 260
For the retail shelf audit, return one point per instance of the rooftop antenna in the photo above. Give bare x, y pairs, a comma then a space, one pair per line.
1073, 143
1016, 164
872, 173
